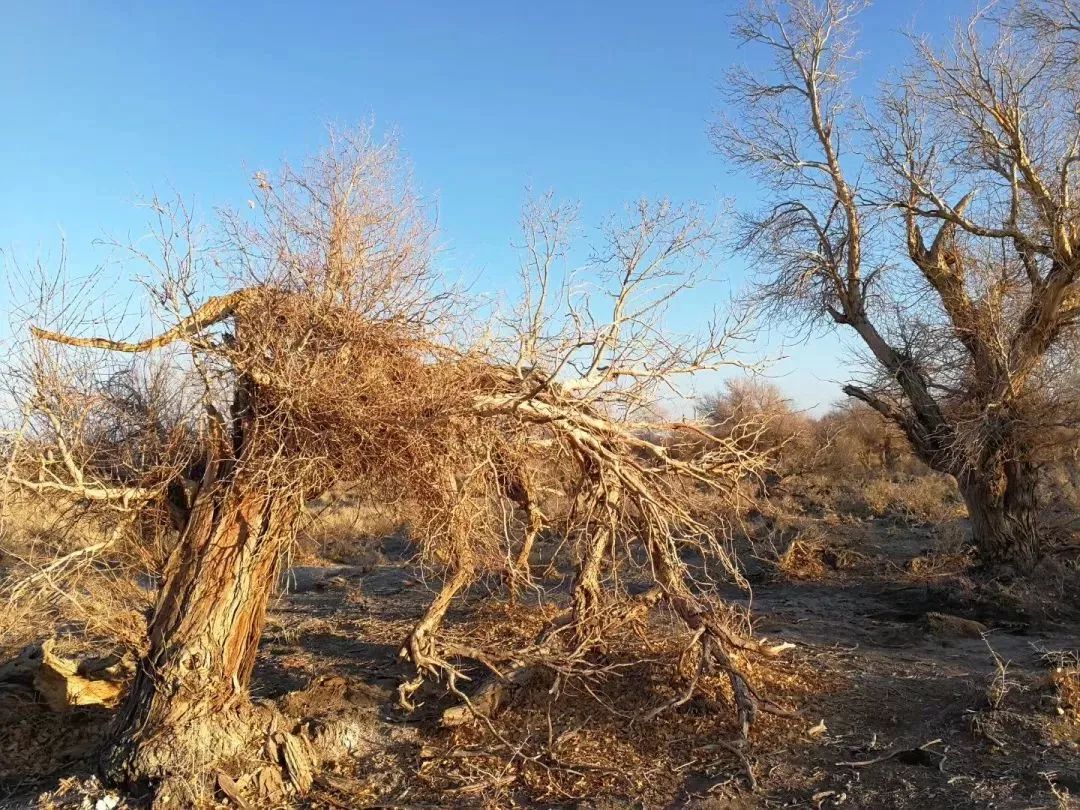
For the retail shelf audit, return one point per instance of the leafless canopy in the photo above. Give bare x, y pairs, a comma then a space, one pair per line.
938, 223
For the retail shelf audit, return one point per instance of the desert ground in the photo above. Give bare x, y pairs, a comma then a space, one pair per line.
311, 496
912, 681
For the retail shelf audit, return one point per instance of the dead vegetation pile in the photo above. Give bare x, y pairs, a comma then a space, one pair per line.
600, 740
812, 555
795, 547
936, 564
624, 728
1063, 686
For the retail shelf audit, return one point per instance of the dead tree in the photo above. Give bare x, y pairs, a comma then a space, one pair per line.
332, 274
328, 362
937, 228
575, 372
189, 698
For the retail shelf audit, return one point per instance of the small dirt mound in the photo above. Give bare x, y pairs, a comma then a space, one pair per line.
334, 696
945, 625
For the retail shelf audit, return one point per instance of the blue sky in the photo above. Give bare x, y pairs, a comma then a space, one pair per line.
601, 101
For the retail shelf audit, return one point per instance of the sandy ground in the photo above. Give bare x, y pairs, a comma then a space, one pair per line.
897, 710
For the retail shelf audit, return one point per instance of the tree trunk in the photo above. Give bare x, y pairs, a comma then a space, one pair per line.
421, 648
189, 709
587, 591
1002, 507
998, 487
515, 485
586, 594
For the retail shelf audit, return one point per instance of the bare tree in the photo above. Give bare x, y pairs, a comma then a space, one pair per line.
939, 228
863, 440
330, 361
584, 355
332, 274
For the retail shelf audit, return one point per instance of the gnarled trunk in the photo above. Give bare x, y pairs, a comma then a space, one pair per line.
998, 484
189, 709
1002, 507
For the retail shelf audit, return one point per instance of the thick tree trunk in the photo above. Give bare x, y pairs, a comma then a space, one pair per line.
998, 488
1002, 507
188, 709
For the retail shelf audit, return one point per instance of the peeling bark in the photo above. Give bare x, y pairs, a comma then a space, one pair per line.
189, 709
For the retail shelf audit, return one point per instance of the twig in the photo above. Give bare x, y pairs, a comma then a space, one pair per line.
890, 754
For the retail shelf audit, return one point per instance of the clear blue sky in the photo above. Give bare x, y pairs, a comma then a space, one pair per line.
600, 101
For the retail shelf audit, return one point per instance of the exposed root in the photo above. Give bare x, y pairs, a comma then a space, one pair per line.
587, 597
573, 645
252, 754
717, 648
420, 646
491, 696
737, 750
570, 645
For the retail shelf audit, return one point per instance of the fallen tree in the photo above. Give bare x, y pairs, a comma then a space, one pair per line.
328, 363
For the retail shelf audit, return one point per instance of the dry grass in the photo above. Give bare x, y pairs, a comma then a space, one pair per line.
921, 497
937, 565
347, 533
803, 549
97, 602
925, 498
1064, 683
1001, 683
812, 556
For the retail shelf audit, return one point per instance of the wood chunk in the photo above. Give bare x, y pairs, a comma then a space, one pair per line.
267, 784
296, 761
60, 684
231, 791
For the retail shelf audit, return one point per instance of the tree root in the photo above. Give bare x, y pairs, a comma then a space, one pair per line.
740, 754
491, 696
519, 576
567, 647
420, 646
719, 649
268, 755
